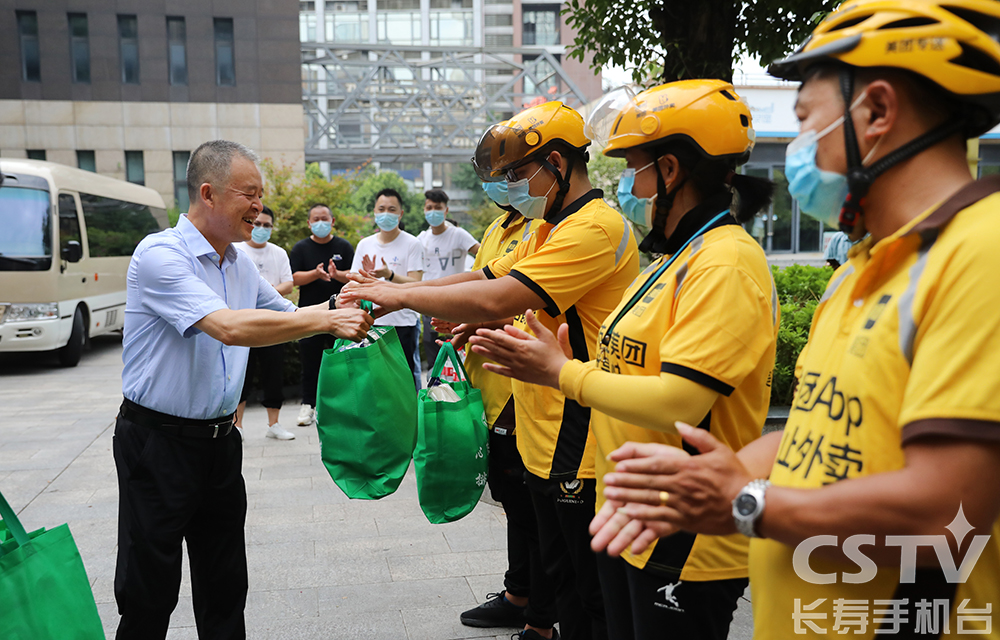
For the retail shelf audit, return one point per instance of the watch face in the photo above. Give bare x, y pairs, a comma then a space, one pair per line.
746, 504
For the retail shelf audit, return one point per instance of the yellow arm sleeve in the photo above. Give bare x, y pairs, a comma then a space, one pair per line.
650, 402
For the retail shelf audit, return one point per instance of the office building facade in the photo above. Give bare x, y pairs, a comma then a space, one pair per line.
128, 88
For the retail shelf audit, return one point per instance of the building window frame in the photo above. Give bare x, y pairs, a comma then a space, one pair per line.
181, 200
128, 48
225, 52
135, 167
79, 47
532, 37
177, 67
35, 154
31, 54
86, 160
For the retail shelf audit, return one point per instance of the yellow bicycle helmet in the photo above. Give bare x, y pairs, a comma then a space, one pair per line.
532, 133
707, 113
952, 43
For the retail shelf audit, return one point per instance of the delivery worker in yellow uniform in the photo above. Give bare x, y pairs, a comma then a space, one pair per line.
877, 509
527, 592
575, 267
693, 338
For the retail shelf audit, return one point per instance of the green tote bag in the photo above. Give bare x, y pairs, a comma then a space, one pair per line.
452, 445
366, 414
43, 586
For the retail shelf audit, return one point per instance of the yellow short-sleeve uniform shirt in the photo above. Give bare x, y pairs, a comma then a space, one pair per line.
502, 236
906, 335
710, 317
579, 262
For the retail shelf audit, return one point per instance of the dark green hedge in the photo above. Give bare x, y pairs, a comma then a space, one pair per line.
799, 290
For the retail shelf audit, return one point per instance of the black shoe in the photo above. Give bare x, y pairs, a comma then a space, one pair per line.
531, 634
497, 611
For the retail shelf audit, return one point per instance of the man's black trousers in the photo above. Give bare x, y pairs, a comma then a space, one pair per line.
174, 488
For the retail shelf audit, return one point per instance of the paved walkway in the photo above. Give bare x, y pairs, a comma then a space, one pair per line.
321, 566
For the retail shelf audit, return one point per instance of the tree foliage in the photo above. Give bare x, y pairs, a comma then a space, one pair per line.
667, 40
291, 197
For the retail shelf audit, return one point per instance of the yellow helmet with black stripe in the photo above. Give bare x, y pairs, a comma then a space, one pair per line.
954, 43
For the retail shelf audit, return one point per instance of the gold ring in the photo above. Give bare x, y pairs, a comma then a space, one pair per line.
663, 498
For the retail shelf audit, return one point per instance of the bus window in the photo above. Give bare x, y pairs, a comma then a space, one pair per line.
115, 227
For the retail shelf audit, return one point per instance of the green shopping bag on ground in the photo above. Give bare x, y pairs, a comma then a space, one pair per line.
452, 444
43, 586
366, 414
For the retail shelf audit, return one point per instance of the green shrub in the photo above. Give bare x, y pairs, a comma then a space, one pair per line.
799, 290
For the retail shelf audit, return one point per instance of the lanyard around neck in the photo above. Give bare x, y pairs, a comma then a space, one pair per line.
656, 275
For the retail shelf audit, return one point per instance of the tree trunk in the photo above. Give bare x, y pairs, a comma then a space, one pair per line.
697, 37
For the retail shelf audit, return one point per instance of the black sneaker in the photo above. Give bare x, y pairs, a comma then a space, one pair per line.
497, 611
531, 634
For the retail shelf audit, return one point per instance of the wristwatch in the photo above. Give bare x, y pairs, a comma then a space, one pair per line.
748, 505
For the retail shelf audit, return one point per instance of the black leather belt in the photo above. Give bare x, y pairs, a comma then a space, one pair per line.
184, 427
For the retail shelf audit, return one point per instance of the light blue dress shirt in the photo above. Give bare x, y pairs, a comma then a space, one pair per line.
174, 280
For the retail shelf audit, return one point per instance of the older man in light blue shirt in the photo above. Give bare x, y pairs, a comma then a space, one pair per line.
194, 307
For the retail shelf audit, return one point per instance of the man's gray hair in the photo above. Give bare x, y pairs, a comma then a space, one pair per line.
212, 161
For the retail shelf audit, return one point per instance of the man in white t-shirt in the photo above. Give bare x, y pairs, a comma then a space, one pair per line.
446, 248
272, 262
394, 255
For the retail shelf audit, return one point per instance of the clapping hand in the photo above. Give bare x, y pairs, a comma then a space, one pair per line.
368, 268
321, 272
537, 359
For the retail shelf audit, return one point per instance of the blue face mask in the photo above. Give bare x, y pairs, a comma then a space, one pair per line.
321, 229
386, 221
820, 193
638, 210
497, 192
434, 217
530, 206
260, 235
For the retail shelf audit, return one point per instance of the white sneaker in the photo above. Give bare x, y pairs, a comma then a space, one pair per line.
278, 432
307, 415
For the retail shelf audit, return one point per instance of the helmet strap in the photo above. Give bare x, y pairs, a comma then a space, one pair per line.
860, 177
564, 182
656, 239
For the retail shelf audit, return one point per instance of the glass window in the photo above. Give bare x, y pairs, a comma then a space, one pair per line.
36, 154
27, 28
69, 222
128, 44
135, 169
115, 227
26, 233
177, 51
307, 5
180, 180
399, 27
307, 27
225, 62
541, 25
347, 27
541, 78
85, 160
79, 47
451, 28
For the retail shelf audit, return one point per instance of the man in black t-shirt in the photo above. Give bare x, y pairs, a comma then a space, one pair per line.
319, 269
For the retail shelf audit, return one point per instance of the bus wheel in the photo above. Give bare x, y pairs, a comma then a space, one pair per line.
69, 355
